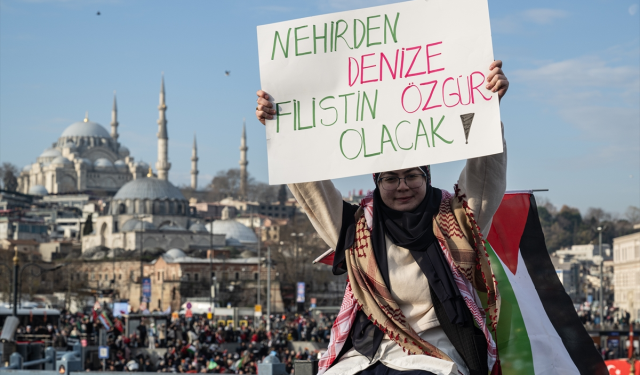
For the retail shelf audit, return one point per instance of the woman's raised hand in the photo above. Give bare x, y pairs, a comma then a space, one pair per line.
497, 81
264, 110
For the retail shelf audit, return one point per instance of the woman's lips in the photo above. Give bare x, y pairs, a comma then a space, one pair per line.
404, 199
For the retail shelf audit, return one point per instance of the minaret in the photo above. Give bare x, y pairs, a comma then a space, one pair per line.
194, 165
163, 165
243, 162
114, 122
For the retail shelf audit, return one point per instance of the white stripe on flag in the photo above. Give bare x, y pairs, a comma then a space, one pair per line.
549, 353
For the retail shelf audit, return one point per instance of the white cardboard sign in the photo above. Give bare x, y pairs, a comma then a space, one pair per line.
377, 89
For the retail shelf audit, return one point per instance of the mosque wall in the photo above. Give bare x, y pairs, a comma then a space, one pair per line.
151, 239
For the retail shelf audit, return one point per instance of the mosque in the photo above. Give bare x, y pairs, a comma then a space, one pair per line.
142, 210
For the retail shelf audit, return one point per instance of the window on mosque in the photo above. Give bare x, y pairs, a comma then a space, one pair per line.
255, 276
237, 275
195, 276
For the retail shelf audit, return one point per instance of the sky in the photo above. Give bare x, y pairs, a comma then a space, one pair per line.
571, 116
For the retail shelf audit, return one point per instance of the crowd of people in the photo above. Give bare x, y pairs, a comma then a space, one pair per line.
191, 345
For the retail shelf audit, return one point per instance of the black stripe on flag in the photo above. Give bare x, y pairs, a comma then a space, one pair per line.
555, 300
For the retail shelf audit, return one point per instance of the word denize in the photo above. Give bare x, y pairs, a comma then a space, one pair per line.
411, 63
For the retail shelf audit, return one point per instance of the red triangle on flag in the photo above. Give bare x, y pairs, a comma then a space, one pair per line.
507, 228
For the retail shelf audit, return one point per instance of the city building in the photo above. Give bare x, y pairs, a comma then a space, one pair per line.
50, 251
626, 264
569, 275
176, 278
584, 253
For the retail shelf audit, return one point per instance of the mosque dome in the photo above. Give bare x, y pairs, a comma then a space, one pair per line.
69, 144
123, 151
149, 188
175, 253
61, 160
198, 228
85, 161
27, 167
120, 165
142, 165
171, 227
135, 224
235, 233
85, 129
51, 153
38, 190
103, 163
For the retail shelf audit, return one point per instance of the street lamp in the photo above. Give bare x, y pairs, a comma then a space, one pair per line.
295, 251
601, 279
268, 288
17, 276
210, 220
140, 225
9, 273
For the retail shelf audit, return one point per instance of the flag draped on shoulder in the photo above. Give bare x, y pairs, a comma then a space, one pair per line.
538, 331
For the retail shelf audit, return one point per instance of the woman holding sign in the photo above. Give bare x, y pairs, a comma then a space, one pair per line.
416, 265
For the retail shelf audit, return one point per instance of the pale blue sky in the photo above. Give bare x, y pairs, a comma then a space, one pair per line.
572, 114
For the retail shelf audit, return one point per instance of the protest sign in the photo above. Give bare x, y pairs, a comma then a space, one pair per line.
376, 89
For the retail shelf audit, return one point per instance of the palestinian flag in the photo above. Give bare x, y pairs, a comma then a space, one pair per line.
118, 325
212, 365
538, 329
104, 319
191, 349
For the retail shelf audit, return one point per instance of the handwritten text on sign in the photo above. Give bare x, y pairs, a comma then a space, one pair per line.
379, 89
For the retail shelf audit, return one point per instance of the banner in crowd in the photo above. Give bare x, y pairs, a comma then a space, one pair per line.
146, 289
375, 89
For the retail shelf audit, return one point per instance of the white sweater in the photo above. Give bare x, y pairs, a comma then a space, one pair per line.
483, 181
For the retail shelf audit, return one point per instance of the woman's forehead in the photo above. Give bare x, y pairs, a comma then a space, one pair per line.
400, 172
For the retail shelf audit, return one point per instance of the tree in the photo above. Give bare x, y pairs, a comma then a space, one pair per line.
568, 227
9, 173
282, 194
226, 184
633, 214
261, 192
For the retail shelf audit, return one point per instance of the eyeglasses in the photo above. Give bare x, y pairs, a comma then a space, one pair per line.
413, 181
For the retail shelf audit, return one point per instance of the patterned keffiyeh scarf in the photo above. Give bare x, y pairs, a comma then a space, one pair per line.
463, 247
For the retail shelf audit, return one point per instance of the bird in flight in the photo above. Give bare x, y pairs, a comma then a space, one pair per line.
227, 72
97, 14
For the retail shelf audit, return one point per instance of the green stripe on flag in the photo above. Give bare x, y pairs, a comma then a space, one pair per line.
514, 347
